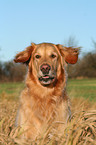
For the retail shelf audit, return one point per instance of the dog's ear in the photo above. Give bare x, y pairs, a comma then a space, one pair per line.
24, 56
69, 54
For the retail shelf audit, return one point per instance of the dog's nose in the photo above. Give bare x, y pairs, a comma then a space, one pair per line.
45, 68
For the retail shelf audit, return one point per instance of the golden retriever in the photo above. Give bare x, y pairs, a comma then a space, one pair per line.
44, 99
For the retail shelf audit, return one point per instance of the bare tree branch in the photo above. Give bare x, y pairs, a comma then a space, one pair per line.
71, 42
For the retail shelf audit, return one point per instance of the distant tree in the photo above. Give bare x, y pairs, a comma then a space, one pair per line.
71, 42
72, 69
94, 44
1, 71
10, 71
85, 67
14, 72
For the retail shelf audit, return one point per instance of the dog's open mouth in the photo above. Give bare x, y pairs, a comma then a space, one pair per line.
46, 80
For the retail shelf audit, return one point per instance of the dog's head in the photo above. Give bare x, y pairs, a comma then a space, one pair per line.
46, 61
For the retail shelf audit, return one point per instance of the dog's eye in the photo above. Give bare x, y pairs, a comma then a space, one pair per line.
37, 56
53, 56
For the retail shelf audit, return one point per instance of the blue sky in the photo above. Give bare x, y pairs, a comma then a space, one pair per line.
26, 21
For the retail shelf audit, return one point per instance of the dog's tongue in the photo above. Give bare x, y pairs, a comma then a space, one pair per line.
46, 77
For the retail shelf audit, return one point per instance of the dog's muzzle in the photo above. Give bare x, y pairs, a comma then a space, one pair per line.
47, 77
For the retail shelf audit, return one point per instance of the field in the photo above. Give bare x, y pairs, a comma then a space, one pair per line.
81, 130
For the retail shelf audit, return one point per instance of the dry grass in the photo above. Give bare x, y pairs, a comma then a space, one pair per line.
80, 131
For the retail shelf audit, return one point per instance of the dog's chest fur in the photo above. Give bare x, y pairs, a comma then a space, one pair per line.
43, 108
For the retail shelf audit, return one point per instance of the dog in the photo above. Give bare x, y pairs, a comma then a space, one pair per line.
44, 99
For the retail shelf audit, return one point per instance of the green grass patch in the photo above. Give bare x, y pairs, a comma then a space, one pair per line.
85, 88
11, 90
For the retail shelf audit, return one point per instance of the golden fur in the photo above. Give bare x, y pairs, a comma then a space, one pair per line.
44, 99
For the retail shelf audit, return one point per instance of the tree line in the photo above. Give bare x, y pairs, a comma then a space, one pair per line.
84, 68
11, 72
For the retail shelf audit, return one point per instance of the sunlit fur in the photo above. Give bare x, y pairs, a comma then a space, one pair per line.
41, 105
